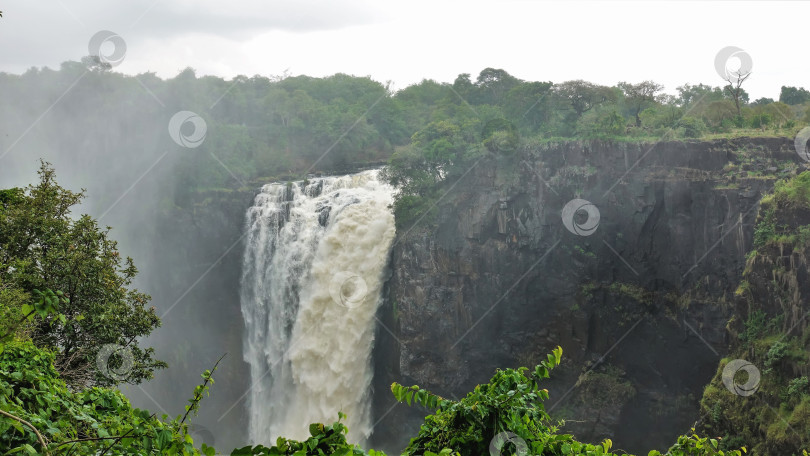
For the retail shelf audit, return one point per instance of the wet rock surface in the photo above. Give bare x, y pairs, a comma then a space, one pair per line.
642, 302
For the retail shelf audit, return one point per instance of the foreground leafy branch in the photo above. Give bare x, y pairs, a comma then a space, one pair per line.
201, 390
42, 443
94, 421
506, 415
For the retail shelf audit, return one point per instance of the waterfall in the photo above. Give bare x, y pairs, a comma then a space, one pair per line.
312, 278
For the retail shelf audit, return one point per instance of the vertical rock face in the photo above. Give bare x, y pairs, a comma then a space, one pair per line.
766, 409
192, 271
637, 303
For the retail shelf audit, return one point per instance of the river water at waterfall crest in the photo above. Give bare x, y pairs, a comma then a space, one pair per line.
312, 276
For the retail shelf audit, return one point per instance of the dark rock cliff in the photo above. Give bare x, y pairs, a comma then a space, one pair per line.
641, 303
193, 261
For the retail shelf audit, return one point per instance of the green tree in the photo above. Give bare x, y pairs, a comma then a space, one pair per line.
640, 96
464, 86
43, 247
662, 116
776, 113
572, 99
601, 123
527, 105
691, 127
512, 401
441, 144
762, 101
718, 115
583, 96
492, 85
794, 95
689, 94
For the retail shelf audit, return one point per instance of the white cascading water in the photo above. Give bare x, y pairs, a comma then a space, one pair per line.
312, 278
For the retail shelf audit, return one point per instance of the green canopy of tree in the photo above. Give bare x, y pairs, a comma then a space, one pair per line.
42, 246
640, 96
794, 95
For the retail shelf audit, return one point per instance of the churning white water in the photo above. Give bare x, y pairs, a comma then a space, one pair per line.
312, 278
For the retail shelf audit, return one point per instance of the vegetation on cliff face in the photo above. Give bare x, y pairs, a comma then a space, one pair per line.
767, 408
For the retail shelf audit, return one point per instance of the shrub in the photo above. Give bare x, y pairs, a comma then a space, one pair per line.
691, 127
31, 390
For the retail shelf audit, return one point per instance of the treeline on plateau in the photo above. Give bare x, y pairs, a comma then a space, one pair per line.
264, 128
63, 352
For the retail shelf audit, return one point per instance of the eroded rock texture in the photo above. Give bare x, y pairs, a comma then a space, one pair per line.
639, 305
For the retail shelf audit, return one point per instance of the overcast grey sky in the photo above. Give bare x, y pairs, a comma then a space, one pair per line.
406, 41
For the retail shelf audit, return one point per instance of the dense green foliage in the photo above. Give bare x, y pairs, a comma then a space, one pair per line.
323, 440
511, 402
43, 247
498, 113
40, 415
774, 222
506, 416
794, 95
85, 422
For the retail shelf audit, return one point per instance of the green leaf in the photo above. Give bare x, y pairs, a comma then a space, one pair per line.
315, 429
163, 438
16, 424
